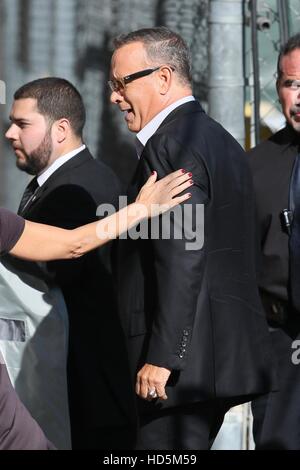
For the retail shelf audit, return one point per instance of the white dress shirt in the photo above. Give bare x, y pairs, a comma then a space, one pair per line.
149, 129
42, 178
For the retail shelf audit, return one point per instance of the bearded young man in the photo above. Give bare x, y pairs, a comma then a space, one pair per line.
47, 120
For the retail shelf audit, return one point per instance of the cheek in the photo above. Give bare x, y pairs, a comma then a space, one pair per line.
25, 141
286, 100
27, 144
31, 141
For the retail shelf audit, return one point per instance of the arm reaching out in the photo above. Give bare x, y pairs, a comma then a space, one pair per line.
40, 242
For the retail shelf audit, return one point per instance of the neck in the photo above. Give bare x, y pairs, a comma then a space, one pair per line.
66, 148
176, 95
63, 150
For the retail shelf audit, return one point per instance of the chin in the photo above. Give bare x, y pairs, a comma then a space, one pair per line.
23, 166
295, 126
133, 127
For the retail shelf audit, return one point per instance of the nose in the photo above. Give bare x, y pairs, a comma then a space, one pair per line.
11, 132
116, 97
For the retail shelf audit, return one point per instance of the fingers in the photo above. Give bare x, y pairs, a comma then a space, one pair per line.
142, 387
179, 199
152, 178
174, 175
161, 393
149, 387
151, 392
175, 182
180, 179
182, 187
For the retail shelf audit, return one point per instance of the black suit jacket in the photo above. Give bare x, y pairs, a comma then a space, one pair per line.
272, 163
198, 312
100, 392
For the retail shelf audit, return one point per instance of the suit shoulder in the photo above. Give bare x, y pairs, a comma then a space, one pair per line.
201, 135
93, 170
266, 152
91, 179
197, 127
98, 166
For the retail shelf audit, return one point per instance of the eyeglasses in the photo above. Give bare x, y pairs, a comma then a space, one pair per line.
292, 84
118, 85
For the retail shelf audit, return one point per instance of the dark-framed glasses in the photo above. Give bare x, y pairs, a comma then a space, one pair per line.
120, 83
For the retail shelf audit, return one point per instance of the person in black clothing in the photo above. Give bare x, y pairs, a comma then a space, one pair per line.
46, 132
18, 430
28, 240
277, 415
197, 335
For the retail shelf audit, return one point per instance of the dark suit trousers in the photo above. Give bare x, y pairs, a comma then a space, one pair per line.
277, 415
193, 426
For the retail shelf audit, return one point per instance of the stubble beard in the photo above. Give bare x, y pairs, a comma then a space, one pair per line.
38, 159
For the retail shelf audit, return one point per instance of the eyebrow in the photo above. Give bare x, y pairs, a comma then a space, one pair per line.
289, 81
19, 120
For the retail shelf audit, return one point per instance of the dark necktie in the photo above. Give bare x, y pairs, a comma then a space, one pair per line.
294, 242
28, 195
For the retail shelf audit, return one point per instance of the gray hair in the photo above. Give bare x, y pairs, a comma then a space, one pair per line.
162, 46
291, 45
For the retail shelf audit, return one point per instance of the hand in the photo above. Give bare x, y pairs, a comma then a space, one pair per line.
152, 379
159, 196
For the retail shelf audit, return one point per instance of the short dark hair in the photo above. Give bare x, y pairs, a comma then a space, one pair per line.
56, 99
292, 44
162, 46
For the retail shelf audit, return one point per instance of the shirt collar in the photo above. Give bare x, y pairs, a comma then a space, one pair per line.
144, 135
42, 178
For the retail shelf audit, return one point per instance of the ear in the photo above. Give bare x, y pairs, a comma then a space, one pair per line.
278, 89
61, 130
165, 79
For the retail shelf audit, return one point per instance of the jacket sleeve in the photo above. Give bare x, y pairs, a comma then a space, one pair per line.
179, 260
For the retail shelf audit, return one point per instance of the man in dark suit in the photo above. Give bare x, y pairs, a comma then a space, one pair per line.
47, 120
198, 339
275, 167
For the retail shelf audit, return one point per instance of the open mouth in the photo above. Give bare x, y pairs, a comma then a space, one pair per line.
127, 112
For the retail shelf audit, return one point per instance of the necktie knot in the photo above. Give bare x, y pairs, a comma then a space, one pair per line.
28, 195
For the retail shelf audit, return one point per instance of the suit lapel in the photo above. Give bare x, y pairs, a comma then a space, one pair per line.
143, 170
80, 159
32, 201
186, 108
